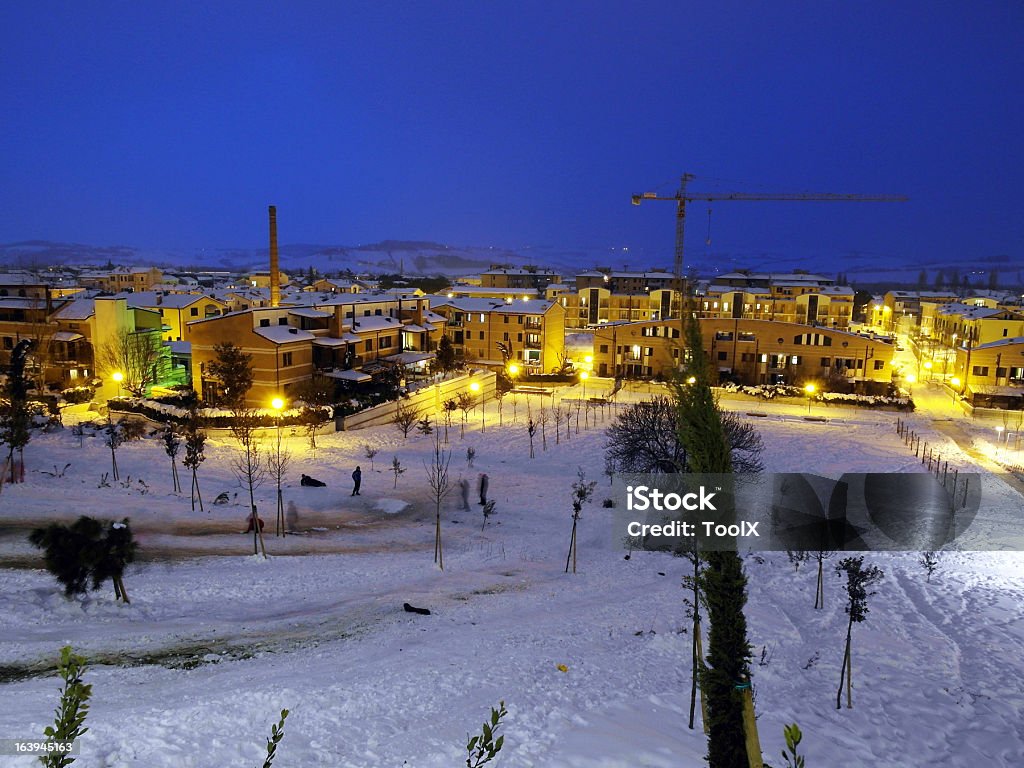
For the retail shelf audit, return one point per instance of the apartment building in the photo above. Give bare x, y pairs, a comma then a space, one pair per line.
532, 332
177, 309
747, 351
992, 374
344, 337
518, 278
122, 279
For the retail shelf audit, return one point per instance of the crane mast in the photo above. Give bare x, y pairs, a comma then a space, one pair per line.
682, 197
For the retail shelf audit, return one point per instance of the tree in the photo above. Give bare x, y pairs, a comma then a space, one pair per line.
465, 402
15, 415
278, 462
819, 592
195, 453
993, 279
405, 417
369, 452
922, 280
482, 749
531, 430
440, 485
86, 551
113, 436
793, 738
645, 437
397, 469
929, 560
582, 493
172, 444
249, 465
444, 359
232, 367
858, 581
424, 426
450, 406
316, 395
706, 446
488, 510
69, 723
137, 355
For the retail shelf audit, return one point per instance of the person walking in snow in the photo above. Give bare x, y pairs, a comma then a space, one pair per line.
482, 487
464, 490
357, 478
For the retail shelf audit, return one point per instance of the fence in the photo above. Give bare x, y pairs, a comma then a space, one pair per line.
934, 462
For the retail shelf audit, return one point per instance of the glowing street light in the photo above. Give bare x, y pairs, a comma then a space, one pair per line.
277, 404
692, 380
118, 377
928, 367
955, 382
810, 389
583, 378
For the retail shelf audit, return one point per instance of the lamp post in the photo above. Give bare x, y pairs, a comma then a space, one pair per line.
475, 388
999, 438
955, 383
118, 377
910, 379
810, 390
928, 367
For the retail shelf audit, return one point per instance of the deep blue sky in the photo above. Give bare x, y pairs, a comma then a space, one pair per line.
173, 125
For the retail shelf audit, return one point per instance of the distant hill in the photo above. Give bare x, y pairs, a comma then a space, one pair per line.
429, 258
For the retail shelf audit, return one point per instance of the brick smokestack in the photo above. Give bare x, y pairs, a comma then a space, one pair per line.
275, 270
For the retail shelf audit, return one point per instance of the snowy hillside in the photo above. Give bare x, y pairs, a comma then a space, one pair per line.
216, 642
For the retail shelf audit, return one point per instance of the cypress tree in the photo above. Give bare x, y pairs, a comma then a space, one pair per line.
723, 582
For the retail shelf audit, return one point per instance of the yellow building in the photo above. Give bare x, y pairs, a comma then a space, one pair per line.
177, 309
532, 332
991, 374
122, 279
518, 278
746, 351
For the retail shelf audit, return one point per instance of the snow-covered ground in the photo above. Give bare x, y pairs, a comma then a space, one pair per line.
216, 641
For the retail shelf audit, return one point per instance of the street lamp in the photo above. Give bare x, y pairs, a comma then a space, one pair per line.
583, 378
910, 379
474, 387
810, 390
118, 377
955, 382
928, 367
692, 380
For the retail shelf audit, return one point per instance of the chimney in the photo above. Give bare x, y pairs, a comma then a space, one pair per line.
275, 271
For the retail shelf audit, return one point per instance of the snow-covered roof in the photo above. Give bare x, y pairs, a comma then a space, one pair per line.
316, 314
373, 323
1008, 342
76, 309
283, 334
532, 307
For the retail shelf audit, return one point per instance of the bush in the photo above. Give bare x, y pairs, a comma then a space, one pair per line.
76, 395
84, 551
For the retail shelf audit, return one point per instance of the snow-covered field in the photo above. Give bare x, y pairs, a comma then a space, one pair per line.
216, 641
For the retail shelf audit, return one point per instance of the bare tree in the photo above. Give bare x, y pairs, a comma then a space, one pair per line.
858, 581
645, 438
316, 395
559, 416
136, 355
405, 417
397, 468
369, 452
195, 454
249, 465
465, 402
278, 462
582, 492
440, 485
531, 430
542, 419
172, 443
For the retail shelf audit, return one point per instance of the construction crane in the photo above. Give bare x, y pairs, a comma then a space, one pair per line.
682, 197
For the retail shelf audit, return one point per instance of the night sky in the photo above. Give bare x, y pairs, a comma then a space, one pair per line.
174, 125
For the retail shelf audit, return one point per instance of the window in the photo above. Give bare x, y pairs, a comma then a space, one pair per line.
8, 342
603, 349
369, 345
532, 338
723, 355
385, 342
979, 370
519, 337
1000, 373
264, 322
504, 336
826, 362
481, 335
795, 359
194, 311
366, 313
282, 321
482, 318
879, 364
286, 359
